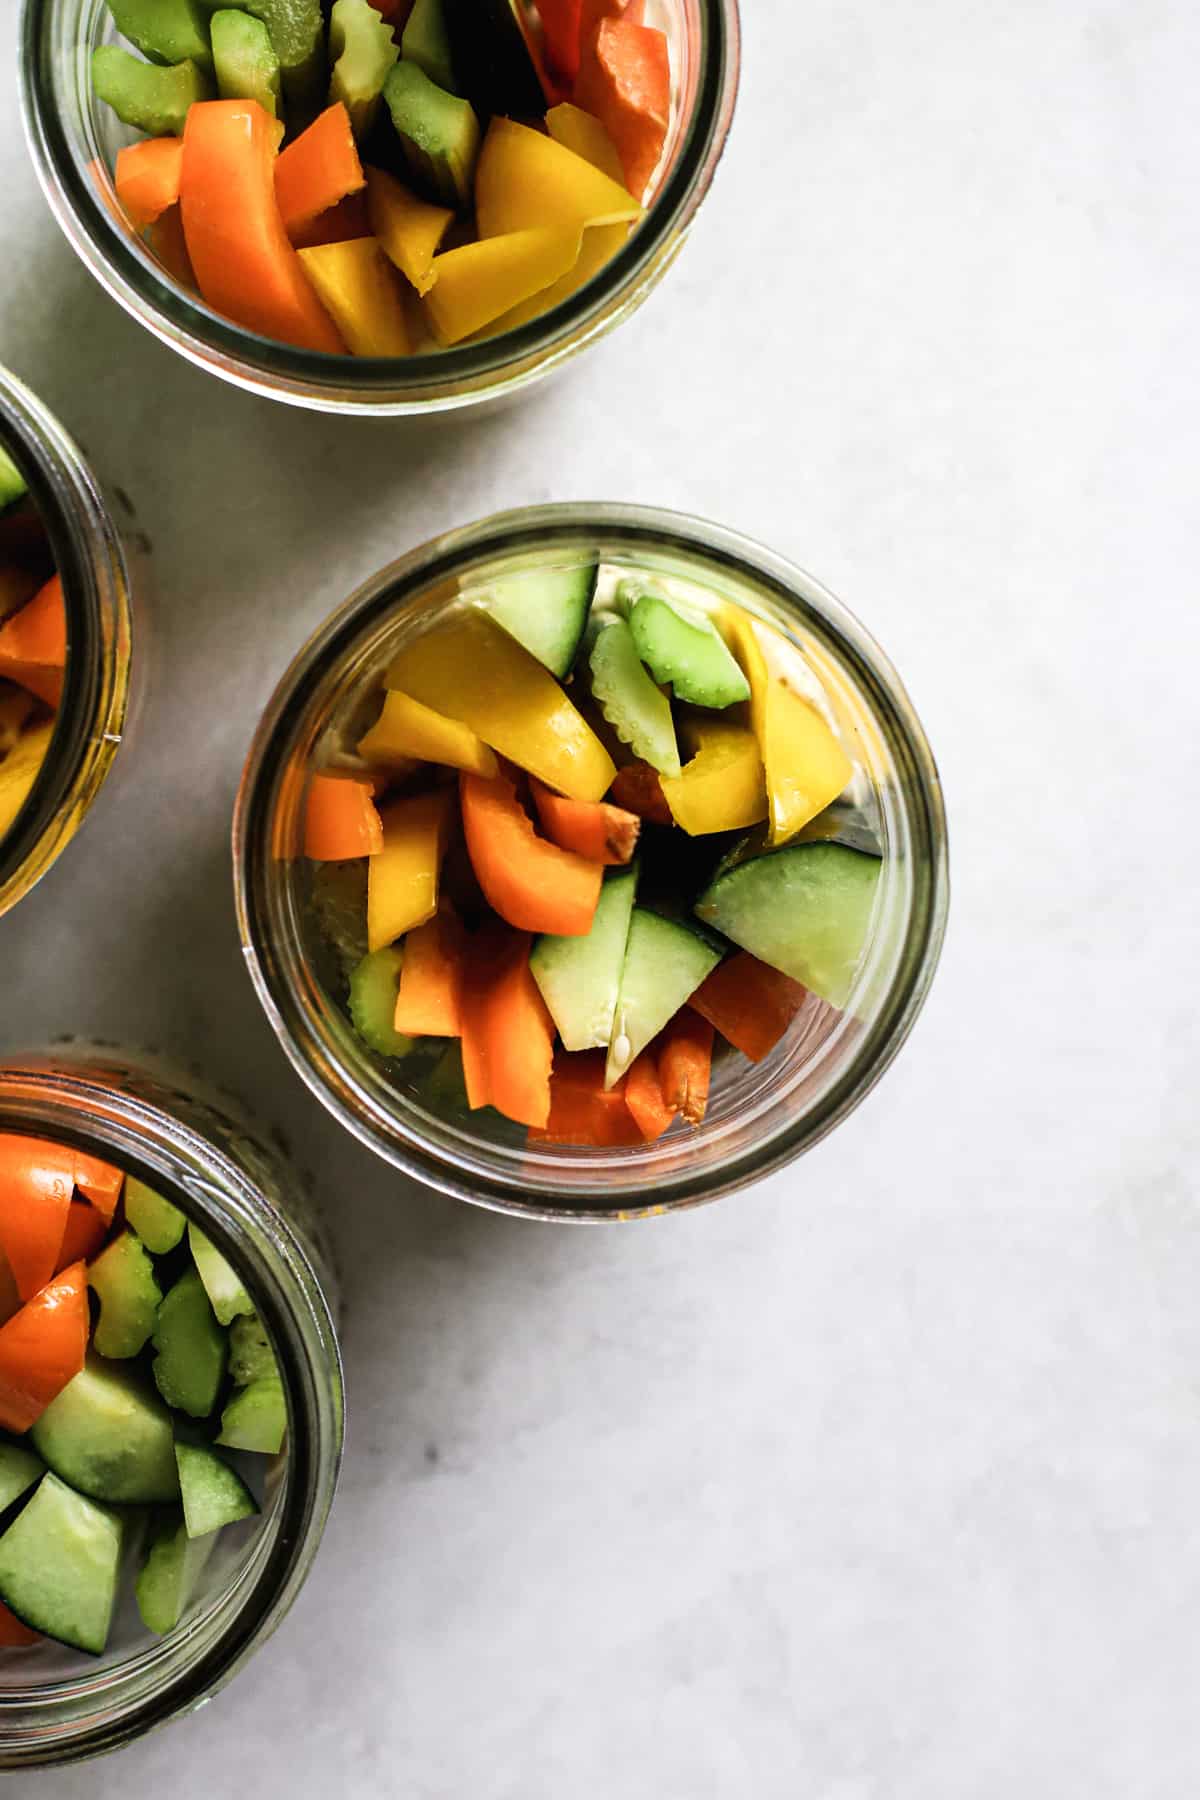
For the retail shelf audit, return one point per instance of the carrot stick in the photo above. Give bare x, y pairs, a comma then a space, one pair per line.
602, 833
86, 1231
318, 169
581, 1112
147, 178
530, 883
507, 1033
37, 1180
428, 1004
625, 82
638, 790
42, 1348
99, 1182
33, 644
245, 267
644, 1098
14, 1633
750, 1004
685, 1064
341, 819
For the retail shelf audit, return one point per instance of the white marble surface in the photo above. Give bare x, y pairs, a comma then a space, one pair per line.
881, 1482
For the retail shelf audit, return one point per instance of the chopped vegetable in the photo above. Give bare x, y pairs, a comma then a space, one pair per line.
409, 229
638, 788
42, 1348
318, 169
374, 989
605, 834
429, 1003
153, 100
37, 1180
637, 710
123, 1279
685, 1064
213, 1493
438, 132
507, 1033
33, 644
247, 67
361, 292
85, 1233
644, 1098
665, 962
341, 819
402, 881
723, 787
625, 82
681, 646
406, 729
158, 1223
527, 181
531, 884
478, 283
363, 52
147, 178
580, 977
750, 1003
582, 1110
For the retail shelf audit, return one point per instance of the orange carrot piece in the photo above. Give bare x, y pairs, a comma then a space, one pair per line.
625, 82
750, 1003
644, 1098
165, 240
602, 833
530, 883
14, 1633
685, 1049
341, 819
37, 1180
581, 1112
85, 1233
147, 178
638, 789
10, 1294
507, 1032
245, 267
42, 1348
33, 644
338, 224
99, 1182
429, 1001
318, 169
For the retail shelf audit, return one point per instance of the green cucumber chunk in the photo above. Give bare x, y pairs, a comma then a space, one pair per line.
191, 1349
12, 483
665, 962
426, 42
19, 1469
167, 31
151, 99
805, 909
339, 902
159, 1224
169, 1576
438, 132
374, 985
109, 1436
213, 1493
546, 610
245, 60
362, 53
256, 1417
59, 1561
123, 1278
580, 977
638, 713
250, 1354
682, 647
495, 58
224, 1287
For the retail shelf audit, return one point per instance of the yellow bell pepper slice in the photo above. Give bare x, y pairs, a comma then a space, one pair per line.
723, 787
402, 878
470, 669
357, 286
600, 245
577, 130
16, 704
409, 230
526, 181
806, 767
19, 771
406, 729
479, 282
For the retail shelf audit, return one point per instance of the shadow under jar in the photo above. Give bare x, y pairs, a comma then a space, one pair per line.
75, 140
57, 1705
84, 547
760, 1115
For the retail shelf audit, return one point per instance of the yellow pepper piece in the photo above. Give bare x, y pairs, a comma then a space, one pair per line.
526, 181
358, 287
407, 729
723, 787
600, 245
477, 283
16, 704
577, 130
806, 767
19, 771
472, 670
409, 230
402, 878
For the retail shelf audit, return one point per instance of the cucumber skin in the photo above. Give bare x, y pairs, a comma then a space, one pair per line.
571, 971
374, 984
192, 1349
628, 698
546, 610
214, 1494
654, 620
662, 954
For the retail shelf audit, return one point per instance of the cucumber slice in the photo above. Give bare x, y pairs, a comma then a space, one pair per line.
19, 1469
638, 713
150, 99
158, 1223
213, 1493
59, 1561
665, 963
682, 647
192, 1349
374, 986
167, 31
439, 135
109, 1436
805, 909
426, 42
256, 1417
580, 977
339, 901
222, 1284
546, 610
168, 1577
245, 61
363, 53
12, 483
123, 1277
250, 1354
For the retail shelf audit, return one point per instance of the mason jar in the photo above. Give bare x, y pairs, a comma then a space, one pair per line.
760, 1115
75, 139
86, 548
194, 1149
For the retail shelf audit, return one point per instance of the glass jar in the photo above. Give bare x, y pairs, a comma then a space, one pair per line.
75, 139
194, 1149
91, 714
761, 1115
